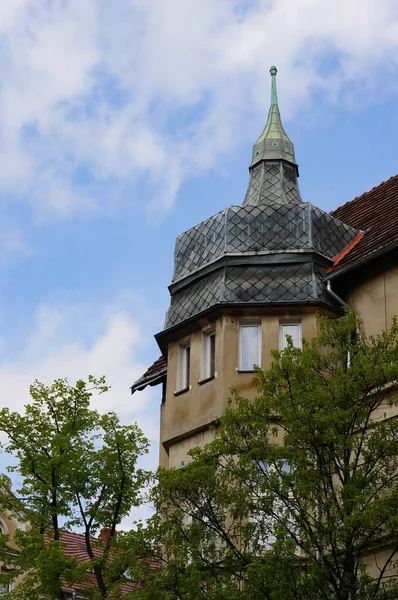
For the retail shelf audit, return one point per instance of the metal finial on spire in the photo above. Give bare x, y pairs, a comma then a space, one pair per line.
274, 94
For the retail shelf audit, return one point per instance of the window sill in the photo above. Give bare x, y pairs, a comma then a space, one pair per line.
246, 370
202, 381
179, 392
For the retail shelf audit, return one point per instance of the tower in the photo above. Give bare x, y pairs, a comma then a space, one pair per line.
243, 280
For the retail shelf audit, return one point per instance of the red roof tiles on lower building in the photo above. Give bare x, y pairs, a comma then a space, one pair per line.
75, 546
375, 213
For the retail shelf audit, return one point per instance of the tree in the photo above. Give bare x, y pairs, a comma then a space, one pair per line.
78, 469
297, 495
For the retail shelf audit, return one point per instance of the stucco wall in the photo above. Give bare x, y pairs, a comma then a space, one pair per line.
186, 416
375, 293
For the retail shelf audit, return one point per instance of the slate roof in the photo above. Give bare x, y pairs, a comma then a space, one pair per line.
375, 213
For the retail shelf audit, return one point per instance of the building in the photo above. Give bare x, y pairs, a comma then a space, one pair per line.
75, 547
251, 274
10, 522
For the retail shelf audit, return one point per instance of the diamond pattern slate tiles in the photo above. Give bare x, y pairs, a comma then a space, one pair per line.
253, 229
253, 191
330, 235
291, 185
268, 227
195, 298
199, 245
254, 284
272, 183
268, 283
321, 290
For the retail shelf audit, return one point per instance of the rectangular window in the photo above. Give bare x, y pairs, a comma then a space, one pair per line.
184, 366
292, 330
250, 346
265, 524
208, 364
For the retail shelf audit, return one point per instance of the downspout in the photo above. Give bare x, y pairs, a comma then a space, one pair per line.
334, 295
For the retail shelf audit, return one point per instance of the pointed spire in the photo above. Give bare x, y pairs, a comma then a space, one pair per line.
273, 170
273, 129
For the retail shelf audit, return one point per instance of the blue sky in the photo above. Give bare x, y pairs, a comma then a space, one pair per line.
124, 123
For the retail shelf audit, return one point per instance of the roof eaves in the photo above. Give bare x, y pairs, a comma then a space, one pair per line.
346, 251
364, 259
151, 380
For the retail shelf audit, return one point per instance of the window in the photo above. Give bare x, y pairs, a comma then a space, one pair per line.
184, 366
208, 364
3, 527
250, 346
292, 330
264, 534
4, 588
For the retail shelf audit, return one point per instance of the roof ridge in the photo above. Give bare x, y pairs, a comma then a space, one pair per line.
364, 193
79, 535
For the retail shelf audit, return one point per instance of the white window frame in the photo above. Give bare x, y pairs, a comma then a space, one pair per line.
266, 469
282, 336
184, 365
5, 588
206, 371
243, 325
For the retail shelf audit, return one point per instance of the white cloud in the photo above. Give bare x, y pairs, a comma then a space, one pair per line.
163, 89
57, 346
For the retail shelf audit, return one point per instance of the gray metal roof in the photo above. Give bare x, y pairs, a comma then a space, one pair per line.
273, 249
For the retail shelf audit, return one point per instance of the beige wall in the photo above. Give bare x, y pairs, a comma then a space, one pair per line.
376, 561
186, 417
375, 294
178, 452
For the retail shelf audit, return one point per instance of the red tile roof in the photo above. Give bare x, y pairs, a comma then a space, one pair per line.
152, 376
157, 366
376, 214
75, 546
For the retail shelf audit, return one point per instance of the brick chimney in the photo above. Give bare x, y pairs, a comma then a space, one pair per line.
104, 534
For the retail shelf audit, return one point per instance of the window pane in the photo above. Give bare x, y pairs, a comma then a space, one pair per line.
293, 330
183, 367
212, 355
187, 365
249, 346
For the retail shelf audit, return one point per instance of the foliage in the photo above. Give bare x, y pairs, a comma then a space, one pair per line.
78, 470
297, 495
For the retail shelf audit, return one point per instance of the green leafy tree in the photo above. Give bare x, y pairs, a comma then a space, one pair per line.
297, 495
77, 469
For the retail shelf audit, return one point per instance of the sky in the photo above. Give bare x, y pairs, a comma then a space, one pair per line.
124, 123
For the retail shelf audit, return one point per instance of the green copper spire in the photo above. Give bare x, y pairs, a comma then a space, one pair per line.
273, 170
273, 129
